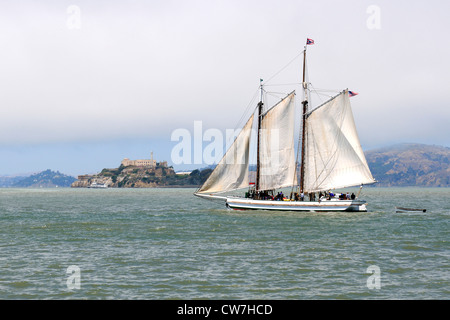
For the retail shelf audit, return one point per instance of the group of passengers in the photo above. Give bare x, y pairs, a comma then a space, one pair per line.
266, 195
342, 196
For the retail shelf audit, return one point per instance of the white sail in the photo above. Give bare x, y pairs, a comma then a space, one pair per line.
277, 154
231, 172
333, 153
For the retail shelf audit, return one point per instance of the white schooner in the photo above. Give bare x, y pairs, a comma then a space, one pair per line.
331, 158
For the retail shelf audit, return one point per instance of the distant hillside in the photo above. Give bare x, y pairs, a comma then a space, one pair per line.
9, 181
410, 165
45, 179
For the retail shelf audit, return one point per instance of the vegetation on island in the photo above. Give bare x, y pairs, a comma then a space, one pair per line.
144, 177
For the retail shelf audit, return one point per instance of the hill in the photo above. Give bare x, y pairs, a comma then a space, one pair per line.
9, 181
45, 179
410, 165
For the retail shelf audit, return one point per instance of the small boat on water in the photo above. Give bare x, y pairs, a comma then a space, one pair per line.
98, 185
331, 157
401, 209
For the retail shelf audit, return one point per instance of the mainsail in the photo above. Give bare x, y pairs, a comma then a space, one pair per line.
277, 154
231, 172
333, 153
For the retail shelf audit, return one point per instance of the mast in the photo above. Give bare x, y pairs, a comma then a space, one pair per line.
260, 109
305, 110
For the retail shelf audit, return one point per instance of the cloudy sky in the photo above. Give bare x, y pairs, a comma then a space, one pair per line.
84, 84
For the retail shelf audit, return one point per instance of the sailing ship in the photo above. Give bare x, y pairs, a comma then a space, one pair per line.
331, 158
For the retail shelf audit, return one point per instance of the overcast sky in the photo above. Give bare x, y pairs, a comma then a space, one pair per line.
84, 84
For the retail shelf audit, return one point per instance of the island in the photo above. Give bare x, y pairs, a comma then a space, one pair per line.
144, 173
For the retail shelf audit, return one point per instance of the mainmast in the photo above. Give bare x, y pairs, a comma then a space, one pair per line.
305, 110
260, 110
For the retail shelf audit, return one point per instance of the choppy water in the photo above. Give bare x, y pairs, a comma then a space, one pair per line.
168, 244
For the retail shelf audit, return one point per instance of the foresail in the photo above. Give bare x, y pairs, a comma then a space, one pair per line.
333, 153
277, 154
231, 172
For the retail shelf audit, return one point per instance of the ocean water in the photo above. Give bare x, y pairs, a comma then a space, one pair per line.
168, 244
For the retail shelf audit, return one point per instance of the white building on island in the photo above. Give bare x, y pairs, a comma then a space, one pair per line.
143, 162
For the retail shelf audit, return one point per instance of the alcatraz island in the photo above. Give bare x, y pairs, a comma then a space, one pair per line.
143, 173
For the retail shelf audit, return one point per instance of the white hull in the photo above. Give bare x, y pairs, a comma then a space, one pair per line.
98, 186
324, 205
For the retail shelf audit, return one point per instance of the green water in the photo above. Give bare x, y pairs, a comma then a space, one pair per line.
168, 244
